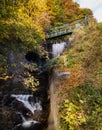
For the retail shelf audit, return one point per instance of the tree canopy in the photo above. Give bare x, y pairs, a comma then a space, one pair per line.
23, 22
27, 20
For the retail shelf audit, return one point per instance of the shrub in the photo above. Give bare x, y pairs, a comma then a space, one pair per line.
99, 26
82, 109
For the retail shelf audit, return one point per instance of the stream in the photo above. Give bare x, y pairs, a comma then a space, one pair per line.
33, 110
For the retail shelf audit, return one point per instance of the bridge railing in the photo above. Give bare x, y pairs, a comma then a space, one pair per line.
66, 28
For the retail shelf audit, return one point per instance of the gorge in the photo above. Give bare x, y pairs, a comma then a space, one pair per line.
50, 66
32, 108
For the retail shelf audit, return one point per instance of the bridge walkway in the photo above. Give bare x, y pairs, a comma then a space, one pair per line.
66, 29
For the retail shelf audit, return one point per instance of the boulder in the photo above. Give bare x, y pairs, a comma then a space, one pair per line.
63, 75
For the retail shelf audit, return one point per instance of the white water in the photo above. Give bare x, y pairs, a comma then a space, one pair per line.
58, 48
26, 123
30, 105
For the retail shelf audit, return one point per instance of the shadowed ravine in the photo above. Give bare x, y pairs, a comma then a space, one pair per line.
22, 109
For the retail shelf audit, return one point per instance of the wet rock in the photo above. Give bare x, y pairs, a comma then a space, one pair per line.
19, 106
1, 97
10, 86
7, 100
37, 116
8, 118
32, 99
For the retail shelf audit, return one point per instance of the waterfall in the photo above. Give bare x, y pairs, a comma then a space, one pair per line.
30, 105
27, 123
58, 48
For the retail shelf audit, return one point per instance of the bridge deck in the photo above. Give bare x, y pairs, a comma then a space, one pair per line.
58, 34
66, 29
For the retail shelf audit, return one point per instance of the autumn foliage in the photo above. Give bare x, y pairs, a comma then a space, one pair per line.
79, 96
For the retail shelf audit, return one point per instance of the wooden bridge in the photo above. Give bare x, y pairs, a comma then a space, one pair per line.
66, 29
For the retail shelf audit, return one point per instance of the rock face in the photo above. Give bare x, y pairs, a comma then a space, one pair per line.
8, 118
33, 56
57, 76
13, 113
53, 120
11, 109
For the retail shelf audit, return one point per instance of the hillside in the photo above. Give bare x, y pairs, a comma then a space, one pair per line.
80, 96
26, 70
23, 25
